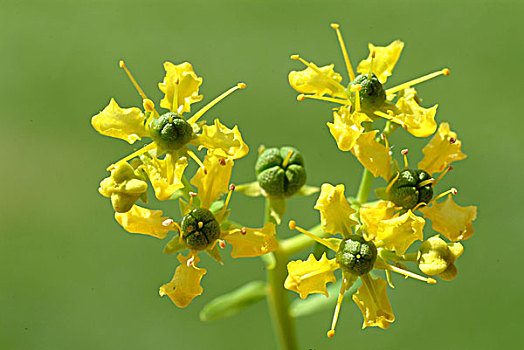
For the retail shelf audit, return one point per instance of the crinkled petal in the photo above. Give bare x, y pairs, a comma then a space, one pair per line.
399, 233
220, 140
188, 85
371, 216
310, 276
346, 128
451, 220
373, 155
386, 58
308, 81
418, 121
214, 181
372, 300
185, 285
335, 212
249, 242
443, 149
123, 123
165, 174
144, 221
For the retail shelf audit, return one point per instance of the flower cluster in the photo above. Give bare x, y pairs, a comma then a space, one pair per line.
203, 225
376, 236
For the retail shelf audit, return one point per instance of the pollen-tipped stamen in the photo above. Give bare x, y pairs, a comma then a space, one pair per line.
293, 226
174, 102
317, 70
388, 278
370, 73
404, 153
411, 274
286, 160
356, 89
453, 191
228, 198
410, 83
331, 332
207, 107
351, 73
392, 182
388, 117
197, 160
448, 169
302, 97
143, 150
137, 87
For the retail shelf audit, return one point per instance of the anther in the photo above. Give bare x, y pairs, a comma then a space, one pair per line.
232, 187
452, 140
200, 224
335, 25
149, 106
190, 261
295, 57
446, 71
192, 194
292, 225
222, 161
241, 85
331, 333
167, 222
404, 152
454, 191
301, 97
243, 230
221, 243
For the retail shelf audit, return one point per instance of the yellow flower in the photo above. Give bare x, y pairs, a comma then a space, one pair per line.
171, 132
364, 93
356, 254
436, 257
204, 228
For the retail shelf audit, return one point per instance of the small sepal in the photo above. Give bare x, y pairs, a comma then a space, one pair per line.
175, 245
251, 189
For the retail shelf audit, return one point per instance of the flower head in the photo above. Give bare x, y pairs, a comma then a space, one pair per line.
364, 93
357, 254
164, 159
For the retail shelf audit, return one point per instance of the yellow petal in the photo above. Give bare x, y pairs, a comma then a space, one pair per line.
372, 300
249, 242
144, 221
334, 210
418, 121
308, 81
310, 276
386, 58
216, 181
220, 140
451, 220
399, 233
124, 187
373, 155
371, 216
185, 285
123, 123
346, 128
165, 174
440, 151
188, 86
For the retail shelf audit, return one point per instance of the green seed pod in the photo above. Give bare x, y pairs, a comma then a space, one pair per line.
411, 188
280, 174
200, 229
170, 131
372, 95
356, 255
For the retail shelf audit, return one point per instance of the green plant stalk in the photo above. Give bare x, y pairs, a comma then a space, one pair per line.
277, 296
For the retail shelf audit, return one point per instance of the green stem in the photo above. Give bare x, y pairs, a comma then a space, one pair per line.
365, 187
277, 296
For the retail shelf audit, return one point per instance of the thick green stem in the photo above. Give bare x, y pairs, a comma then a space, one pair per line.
277, 296
365, 187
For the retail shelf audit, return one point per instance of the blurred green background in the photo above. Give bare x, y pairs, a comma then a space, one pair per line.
71, 278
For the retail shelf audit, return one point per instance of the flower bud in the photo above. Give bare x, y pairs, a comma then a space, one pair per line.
436, 257
411, 188
280, 172
200, 229
355, 255
124, 187
170, 131
372, 94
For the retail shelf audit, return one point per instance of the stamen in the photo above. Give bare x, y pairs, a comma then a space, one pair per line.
317, 70
231, 189
286, 160
332, 246
392, 182
191, 196
302, 97
356, 89
370, 73
389, 117
174, 103
410, 83
197, 160
411, 274
405, 154
420, 204
453, 191
143, 150
137, 87
331, 332
221, 243
351, 73
388, 278
207, 107
369, 285
426, 182
449, 168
